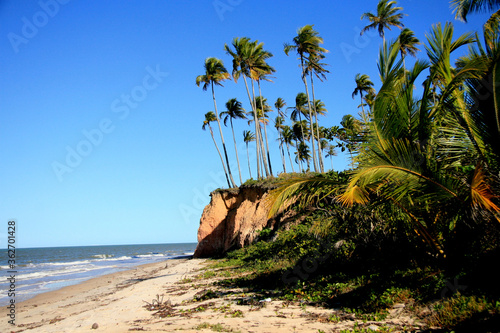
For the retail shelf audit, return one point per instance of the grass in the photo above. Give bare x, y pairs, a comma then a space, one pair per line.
214, 327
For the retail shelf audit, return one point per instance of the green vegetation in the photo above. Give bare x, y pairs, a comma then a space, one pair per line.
415, 223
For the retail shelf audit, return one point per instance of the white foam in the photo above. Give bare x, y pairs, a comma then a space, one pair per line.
103, 256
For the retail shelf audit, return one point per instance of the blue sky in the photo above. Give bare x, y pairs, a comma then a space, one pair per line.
100, 117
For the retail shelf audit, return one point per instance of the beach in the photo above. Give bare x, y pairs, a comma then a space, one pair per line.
175, 295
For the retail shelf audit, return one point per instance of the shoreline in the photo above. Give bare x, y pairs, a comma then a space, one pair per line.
65, 309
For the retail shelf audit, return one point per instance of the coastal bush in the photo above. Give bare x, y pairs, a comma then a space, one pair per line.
465, 312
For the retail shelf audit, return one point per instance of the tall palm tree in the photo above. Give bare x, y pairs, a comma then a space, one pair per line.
248, 137
307, 45
278, 123
319, 109
408, 44
262, 109
234, 110
462, 8
215, 73
209, 117
263, 75
386, 16
313, 66
249, 60
363, 86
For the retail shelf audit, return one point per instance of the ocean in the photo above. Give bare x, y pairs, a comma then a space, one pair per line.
45, 269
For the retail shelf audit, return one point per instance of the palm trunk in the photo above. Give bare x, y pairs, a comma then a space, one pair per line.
282, 152
298, 161
256, 126
310, 115
222, 138
236, 150
220, 155
363, 114
258, 135
248, 157
265, 130
320, 151
289, 156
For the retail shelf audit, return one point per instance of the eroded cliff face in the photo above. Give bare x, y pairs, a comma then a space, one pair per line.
232, 220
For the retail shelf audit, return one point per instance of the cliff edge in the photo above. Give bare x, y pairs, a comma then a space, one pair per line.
232, 220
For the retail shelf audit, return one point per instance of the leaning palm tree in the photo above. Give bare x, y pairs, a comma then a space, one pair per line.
307, 45
209, 117
386, 16
462, 8
234, 110
215, 73
249, 61
248, 137
300, 108
363, 85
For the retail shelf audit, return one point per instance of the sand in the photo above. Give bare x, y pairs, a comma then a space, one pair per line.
176, 295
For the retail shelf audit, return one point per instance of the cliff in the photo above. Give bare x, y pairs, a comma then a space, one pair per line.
232, 220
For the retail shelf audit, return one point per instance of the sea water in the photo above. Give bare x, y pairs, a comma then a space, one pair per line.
39, 270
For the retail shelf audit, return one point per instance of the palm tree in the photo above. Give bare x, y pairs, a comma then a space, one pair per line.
215, 73
462, 8
307, 45
287, 134
209, 117
263, 75
299, 109
316, 68
319, 109
234, 110
248, 137
483, 89
408, 44
437, 174
278, 123
249, 60
386, 16
330, 153
303, 154
363, 85
262, 109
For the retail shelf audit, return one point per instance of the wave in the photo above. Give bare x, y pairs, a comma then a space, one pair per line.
103, 256
149, 255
